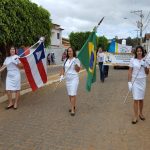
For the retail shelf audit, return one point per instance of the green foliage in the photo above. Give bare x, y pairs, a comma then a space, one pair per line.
130, 41
22, 23
102, 42
77, 39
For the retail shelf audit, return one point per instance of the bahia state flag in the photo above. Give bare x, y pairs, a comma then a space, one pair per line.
35, 67
87, 56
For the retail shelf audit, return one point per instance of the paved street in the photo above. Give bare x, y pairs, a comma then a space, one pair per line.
102, 121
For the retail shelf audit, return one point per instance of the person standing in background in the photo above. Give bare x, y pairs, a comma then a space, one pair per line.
100, 59
106, 68
49, 59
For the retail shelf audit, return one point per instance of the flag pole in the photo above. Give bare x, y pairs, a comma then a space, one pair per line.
38, 42
99, 24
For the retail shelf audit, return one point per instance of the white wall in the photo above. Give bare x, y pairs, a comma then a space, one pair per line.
54, 40
148, 45
58, 53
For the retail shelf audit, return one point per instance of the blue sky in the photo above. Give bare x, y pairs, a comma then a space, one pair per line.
83, 15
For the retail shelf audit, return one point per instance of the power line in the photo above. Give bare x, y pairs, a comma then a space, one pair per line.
147, 17
146, 25
139, 22
147, 20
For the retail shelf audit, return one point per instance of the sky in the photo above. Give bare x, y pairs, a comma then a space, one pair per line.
83, 15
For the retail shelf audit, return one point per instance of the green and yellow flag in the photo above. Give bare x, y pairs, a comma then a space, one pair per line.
87, 56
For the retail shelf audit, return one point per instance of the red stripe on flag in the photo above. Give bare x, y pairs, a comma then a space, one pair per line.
29, 73
42, 72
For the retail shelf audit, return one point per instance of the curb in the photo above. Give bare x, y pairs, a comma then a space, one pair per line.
22, 92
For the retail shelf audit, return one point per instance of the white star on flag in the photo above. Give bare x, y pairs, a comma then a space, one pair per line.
38, 54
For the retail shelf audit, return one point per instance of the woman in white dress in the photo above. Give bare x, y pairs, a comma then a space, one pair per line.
13, 79
138, 70
70, 71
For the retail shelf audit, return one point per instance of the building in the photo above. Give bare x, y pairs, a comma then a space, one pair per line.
56, 46
56, 36
146, 43
65, 43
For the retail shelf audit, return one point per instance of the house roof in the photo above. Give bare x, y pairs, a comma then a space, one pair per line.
65, 42
147, 36
57, 26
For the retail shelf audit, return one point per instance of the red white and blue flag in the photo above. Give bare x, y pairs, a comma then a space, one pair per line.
35, 67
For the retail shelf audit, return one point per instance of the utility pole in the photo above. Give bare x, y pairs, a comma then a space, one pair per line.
139, 23
137, 38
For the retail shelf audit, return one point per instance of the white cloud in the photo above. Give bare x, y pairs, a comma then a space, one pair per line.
75, 15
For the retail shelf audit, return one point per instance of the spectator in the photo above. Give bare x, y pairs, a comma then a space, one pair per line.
100, 58
64, 56
53, 58
49, 59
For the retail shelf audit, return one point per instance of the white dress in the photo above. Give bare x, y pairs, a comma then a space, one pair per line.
139, 85
72, 77
13, 79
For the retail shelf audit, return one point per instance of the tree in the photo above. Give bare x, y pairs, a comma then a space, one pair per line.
133, 42
22, 23
102, 42
129, 41
77, 39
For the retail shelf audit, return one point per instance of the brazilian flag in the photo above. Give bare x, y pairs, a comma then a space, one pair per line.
87, 56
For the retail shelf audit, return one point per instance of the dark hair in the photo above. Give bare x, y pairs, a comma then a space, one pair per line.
74, 53
10, 49
67, 56
143, 52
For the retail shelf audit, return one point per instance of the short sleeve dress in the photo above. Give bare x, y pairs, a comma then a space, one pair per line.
13, 79
139, 79
72, 77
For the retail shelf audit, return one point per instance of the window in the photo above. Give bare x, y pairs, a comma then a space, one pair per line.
58, 36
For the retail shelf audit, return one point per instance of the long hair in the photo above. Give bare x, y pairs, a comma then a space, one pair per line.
74, 53
143, 52
10, 49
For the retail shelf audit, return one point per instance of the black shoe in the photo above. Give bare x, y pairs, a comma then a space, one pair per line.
8, 107
142, 118
102, 81
134, 121
72, 113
